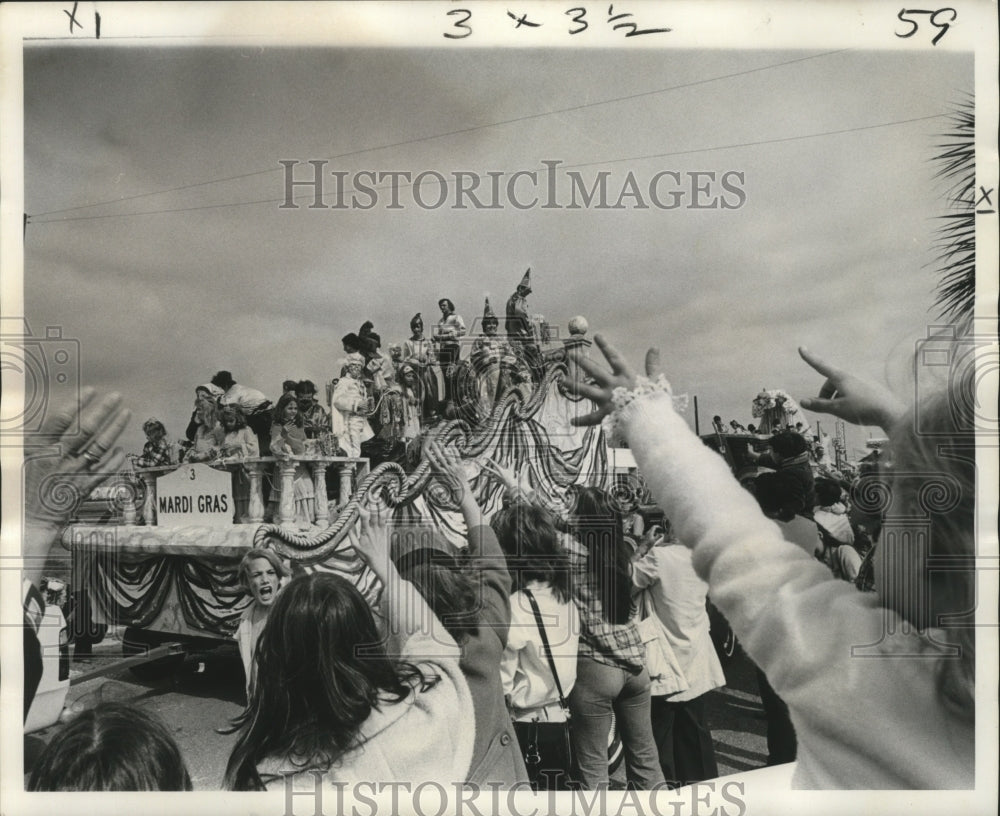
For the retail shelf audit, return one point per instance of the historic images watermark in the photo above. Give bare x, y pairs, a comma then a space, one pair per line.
550, 187
319, 796
924, 497
50, 366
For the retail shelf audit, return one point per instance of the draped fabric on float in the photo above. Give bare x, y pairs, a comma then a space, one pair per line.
528, 429
528, 432
134, 587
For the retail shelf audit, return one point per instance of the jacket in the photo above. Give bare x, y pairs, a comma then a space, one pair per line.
861, 722
496, 756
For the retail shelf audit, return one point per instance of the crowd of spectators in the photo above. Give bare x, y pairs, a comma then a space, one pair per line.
432, 684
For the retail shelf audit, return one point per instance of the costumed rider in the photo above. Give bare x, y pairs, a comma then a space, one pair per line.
391, 415
446, 334
208, 433
158, 450
315, 417
351, 405
418, 351
520, 330
378, 367
411, 390
255, 405
493, 360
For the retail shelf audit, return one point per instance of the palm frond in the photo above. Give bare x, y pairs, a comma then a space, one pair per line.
955, 239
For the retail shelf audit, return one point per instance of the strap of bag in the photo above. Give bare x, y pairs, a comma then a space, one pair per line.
545, 646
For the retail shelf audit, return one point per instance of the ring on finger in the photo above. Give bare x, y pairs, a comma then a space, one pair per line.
91, 457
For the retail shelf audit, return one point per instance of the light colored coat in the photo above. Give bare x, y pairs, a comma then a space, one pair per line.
678, 596
350, 425
861, 723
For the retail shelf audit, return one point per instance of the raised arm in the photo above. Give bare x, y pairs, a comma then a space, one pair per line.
413, 630
484, 549
447, 468
851, 398
84, 434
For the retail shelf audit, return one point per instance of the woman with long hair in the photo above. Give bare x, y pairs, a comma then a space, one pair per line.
880, 686
239, 444
338, 699
288, 438
611, 669
208, 433
470, 593
540, 566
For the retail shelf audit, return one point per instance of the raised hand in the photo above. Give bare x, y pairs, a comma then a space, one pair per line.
447, 467
373, 540
497, 471
605, 382
85, 432
851, 398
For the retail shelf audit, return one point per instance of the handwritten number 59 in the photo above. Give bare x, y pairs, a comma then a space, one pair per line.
936, 20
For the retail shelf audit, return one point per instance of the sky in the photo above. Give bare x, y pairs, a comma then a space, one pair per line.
832, 246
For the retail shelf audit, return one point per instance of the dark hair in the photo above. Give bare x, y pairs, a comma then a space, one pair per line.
451, 304
827, 492
288, 385
223, 379
278, 414
449, 586
788, 444
243, 571
238, 414
528, 536
779, 496
305, 387
111, 747
321, 668
415, 320
597, 525
154, 424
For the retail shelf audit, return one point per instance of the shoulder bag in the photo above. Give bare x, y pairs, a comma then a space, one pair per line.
546, 746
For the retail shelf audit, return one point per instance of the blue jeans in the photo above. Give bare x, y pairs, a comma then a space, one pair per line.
599, 690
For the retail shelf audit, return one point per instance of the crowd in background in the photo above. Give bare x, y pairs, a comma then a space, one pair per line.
542, 618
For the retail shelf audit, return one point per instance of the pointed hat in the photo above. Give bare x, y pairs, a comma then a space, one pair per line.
526, 280
488, 311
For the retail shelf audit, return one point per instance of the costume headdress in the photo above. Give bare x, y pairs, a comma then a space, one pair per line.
212, 389
526, 280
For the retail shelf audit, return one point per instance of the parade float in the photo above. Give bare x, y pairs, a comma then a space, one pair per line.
161, 561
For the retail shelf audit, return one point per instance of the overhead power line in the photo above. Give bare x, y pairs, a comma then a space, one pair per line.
457, 132
776, 140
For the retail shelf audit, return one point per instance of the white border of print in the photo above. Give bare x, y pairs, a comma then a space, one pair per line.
745, 25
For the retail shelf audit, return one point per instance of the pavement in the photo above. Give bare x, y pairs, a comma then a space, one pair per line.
198, 700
